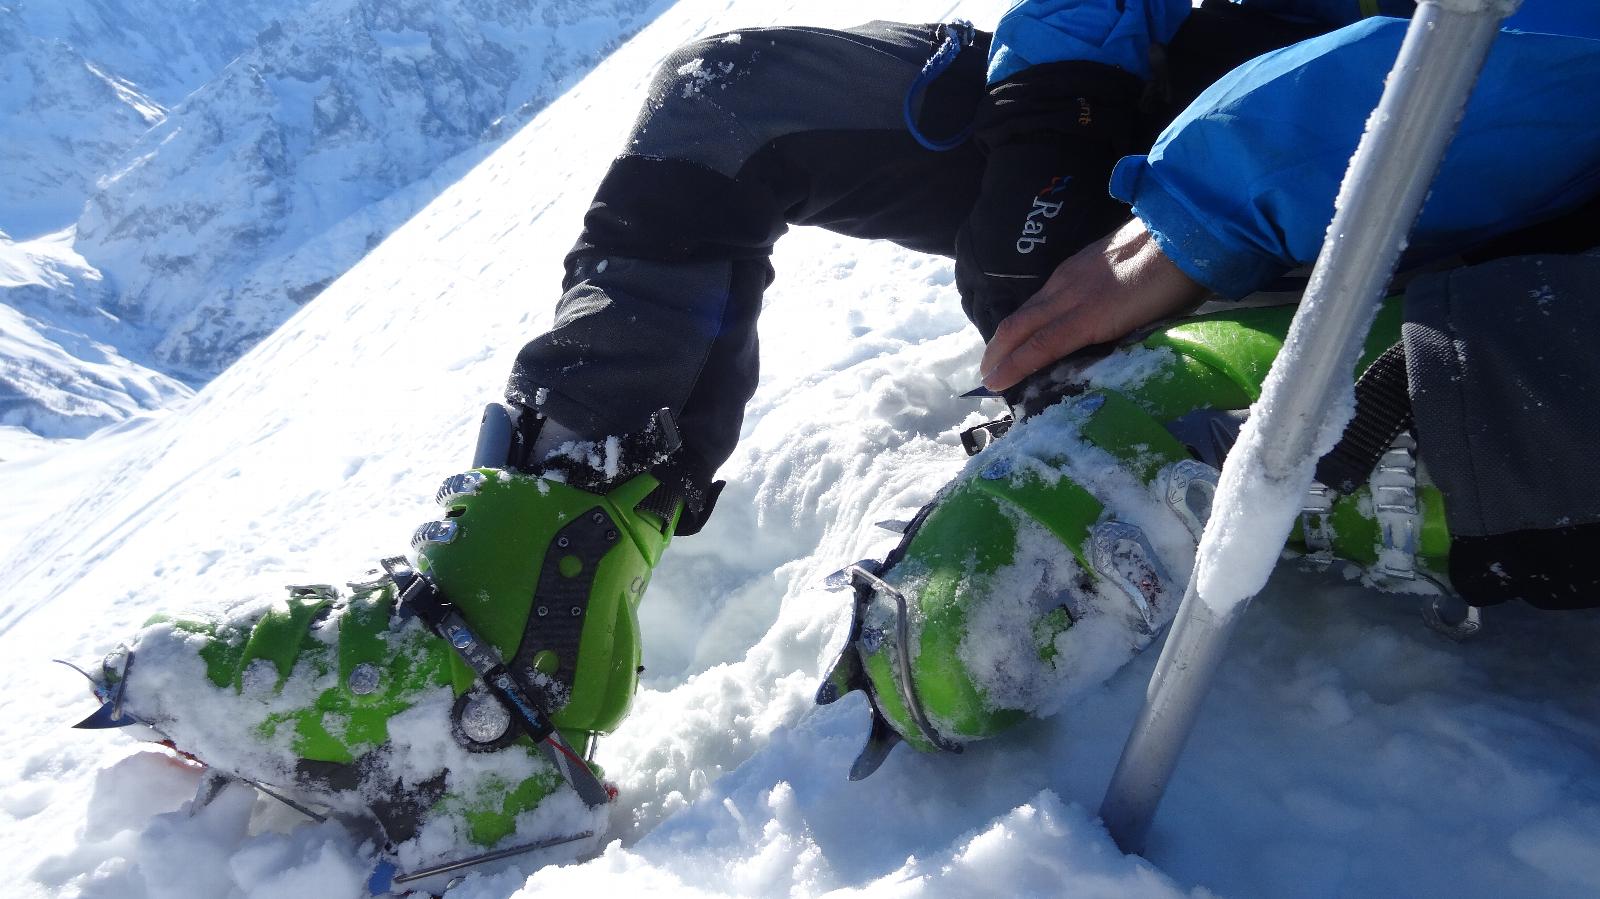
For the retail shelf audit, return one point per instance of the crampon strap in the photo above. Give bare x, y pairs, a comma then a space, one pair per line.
419, 595
1383, 410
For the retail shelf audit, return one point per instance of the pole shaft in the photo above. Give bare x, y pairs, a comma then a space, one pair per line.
1379, 201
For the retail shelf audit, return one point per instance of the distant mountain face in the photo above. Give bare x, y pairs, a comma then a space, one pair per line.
61, 375
230, 160
81, 80
65, 120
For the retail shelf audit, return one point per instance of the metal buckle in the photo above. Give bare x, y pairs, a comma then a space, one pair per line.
1394, 502
435, 532
1315, 528
456, 486
1121, 554
1191, 487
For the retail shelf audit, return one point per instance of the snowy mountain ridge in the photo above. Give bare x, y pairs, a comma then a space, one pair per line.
209, 215
1347, 751
66, 376
81, 80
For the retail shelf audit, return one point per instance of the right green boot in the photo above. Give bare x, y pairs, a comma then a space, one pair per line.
1063, 548
398, 707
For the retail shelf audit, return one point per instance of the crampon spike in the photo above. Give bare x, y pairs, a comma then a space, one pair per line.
880, 740
110, 714
107, 716
844, 578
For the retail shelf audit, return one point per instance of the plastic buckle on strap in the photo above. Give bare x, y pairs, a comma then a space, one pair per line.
978, 437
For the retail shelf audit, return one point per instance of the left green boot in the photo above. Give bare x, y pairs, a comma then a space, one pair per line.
446, 710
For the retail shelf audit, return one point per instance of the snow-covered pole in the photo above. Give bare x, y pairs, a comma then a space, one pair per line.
1265, 478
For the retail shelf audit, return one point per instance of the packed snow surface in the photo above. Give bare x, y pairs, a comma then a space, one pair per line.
1346, 750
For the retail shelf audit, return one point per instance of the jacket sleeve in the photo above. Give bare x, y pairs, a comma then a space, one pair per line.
1116, 33
1241, 186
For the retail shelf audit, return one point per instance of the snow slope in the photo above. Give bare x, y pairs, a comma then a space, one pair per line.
1345, 752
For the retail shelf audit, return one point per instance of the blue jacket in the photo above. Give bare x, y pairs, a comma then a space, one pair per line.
1119, 32
1240, 187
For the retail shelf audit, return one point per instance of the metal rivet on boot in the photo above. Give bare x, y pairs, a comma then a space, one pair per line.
576, 611
484, 719
364, 679
543, 611
598, 517
563, 542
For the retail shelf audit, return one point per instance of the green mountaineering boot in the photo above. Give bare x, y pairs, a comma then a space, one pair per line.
444, 710
1064, 546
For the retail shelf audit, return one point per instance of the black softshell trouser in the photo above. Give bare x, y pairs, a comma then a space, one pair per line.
742, 135
747, 133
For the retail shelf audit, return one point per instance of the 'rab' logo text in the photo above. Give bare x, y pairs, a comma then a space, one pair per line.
1043, 208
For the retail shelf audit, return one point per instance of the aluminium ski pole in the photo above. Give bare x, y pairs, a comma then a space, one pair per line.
1267, 473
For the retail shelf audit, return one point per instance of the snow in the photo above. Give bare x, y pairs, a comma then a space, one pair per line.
1346, 750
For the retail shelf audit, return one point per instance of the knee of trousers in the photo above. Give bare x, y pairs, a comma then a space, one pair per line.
716, 101
705, 104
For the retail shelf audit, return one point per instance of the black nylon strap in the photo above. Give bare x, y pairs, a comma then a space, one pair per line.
1383, 410
421, 596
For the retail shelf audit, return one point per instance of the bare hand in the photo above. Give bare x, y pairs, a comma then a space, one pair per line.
1103, 292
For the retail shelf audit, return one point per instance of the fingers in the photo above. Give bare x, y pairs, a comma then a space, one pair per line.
1034, 347
1066, 314
1070, 289
1012, 331
1100, 293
